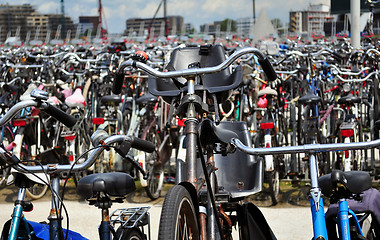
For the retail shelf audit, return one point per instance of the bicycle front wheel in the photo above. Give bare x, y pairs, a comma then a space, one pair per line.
178, 216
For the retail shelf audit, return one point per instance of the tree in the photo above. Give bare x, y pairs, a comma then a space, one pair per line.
277, 23
224, 24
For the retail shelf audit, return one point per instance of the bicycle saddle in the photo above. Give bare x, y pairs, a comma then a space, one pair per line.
115, 184
309, 98
211, 133
355, 182
110, 99
267, 91
349, 99
147, 98
76, 100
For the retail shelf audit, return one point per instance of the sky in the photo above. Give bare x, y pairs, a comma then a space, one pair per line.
196, 12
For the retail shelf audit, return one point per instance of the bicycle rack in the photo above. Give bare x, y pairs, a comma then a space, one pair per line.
131, 217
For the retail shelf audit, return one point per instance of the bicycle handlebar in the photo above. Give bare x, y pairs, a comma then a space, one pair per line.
358, 79
98, 58
264, 62
308, 148
61, 116
324, 50
349, 73
44, 56
56, 168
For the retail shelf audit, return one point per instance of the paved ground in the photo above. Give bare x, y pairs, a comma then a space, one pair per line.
286, 220
287, 223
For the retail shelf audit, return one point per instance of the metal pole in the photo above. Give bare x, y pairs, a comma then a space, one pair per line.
355, 24
63, 20
166, 20
254, 12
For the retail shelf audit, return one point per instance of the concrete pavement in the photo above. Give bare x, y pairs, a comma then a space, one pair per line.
286, 221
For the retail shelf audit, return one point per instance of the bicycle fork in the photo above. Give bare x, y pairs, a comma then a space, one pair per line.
17, 216
316, 203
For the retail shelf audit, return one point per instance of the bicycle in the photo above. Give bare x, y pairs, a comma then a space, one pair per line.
338, 185
201, 199
97, 188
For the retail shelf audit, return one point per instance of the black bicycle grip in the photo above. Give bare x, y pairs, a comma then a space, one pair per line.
60, 115
268, 69
142, 145
118, 82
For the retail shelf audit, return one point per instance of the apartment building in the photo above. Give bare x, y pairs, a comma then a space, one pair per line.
156, 27
309, 21
13, 20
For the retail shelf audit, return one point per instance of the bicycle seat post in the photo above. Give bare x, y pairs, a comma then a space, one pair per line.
191, 124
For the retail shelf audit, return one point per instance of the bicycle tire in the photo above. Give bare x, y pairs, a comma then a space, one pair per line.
37, 191
155, 180
274, 186
153, 166
7, 138
129, 234
177, 211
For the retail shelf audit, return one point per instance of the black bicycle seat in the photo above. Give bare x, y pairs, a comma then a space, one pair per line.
349, 99
146, 99
109, 99
355, 182
114, 184
210, 132
309, 98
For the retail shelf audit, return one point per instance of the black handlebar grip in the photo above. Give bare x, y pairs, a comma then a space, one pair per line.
268, 69
118, 83
142, 145
60, 115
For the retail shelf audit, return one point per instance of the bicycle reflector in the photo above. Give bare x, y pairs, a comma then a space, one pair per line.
98, 121
69, 137
266, 125
19, 123
347, 132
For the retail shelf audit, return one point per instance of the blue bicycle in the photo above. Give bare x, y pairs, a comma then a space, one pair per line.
339, 186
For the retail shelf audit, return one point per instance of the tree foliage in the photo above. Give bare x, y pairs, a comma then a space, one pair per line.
224, 24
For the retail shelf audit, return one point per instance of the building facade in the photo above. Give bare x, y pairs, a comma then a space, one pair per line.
244, 26
154, 27
88, 22
311, 20
13, 20
23, 19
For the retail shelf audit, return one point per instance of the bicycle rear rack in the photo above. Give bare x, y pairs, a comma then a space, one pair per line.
131, 217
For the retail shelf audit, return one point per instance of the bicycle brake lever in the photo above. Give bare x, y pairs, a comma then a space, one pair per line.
137, 165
